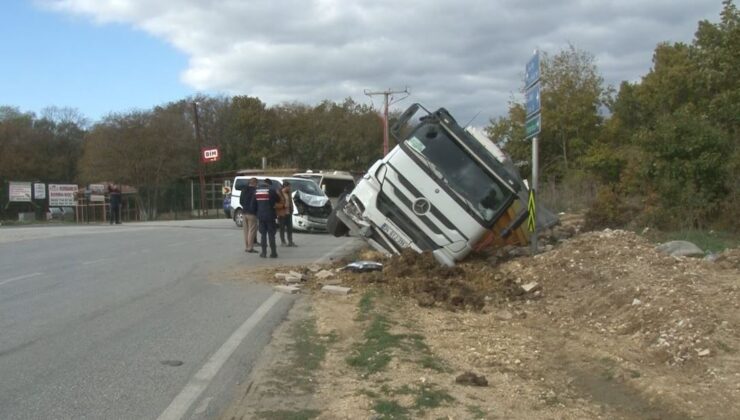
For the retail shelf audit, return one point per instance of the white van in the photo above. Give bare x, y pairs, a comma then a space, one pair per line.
311, 207
333, 183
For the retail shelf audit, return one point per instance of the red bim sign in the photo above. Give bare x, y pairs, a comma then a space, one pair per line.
209, 155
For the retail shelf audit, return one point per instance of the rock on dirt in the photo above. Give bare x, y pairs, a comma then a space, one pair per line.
336, 290
324, 274
470, 378
531, 287
287, 289
680, 249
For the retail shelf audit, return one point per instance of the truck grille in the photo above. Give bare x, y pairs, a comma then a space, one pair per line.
399, 218
417, 194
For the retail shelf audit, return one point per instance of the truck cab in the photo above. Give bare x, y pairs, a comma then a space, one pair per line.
441, 189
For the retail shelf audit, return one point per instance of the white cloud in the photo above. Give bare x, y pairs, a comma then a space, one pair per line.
467, 56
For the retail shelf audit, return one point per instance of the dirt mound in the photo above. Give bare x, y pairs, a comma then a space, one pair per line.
600, 319
617, 283
729, 259
612, 281
421, 276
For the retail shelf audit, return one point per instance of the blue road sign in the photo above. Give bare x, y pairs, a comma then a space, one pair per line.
532, 74
533, 126
533, 99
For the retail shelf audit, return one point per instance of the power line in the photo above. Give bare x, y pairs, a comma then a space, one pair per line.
386, 94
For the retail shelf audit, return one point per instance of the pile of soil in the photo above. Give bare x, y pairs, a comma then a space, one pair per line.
613, 281
611, 327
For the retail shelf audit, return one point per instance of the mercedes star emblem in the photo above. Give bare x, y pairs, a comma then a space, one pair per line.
421, 206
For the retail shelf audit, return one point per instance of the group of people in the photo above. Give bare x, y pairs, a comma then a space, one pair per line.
264, 208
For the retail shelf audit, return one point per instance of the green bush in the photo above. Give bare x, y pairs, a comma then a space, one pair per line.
610, 210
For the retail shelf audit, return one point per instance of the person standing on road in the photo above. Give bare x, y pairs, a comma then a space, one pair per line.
249, 223
263, 205
285, 214
114, 194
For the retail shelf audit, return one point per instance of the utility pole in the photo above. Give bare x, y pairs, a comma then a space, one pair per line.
201, 175
386, 94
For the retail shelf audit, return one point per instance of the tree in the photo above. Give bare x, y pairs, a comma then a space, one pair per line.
687, 166
44, 148
681, 123
509, 132
250, 124
572, 95
144, 149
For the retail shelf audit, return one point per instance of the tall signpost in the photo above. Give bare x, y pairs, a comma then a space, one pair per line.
532, 128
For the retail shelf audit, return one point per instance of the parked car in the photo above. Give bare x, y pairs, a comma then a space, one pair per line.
333, 183
311, 207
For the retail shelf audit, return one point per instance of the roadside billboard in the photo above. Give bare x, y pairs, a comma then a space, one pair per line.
39, 191
97, 188
97, 193
62, 195
19, 192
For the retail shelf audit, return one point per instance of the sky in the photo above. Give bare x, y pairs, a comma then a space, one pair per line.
468, 56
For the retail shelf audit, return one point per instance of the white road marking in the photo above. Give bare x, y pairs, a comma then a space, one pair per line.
198, 383
177, 244
25, 276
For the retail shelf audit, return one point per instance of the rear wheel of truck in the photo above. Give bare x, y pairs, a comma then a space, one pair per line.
239, 217
333, 224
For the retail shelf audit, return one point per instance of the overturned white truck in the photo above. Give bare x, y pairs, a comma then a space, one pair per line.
442, 189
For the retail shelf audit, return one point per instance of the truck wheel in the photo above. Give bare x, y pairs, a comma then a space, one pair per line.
239, 217
333, 224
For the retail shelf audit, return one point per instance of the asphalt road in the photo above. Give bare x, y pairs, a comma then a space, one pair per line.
134, 321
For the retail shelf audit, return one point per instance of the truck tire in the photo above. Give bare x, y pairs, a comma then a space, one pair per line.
239, 217
333, 224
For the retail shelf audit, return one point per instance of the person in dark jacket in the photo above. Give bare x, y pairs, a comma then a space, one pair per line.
114, 195
249, 221
263, 205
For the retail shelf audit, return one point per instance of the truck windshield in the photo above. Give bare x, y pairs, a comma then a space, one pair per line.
452, 166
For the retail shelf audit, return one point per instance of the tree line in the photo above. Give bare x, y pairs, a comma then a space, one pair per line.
152, 149
664, 151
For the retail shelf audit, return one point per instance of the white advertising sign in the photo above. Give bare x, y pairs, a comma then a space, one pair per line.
97, 198
97, 188
39, 191
61, 195
19, 192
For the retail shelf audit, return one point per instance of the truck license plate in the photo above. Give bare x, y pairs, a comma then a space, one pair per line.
393, 235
